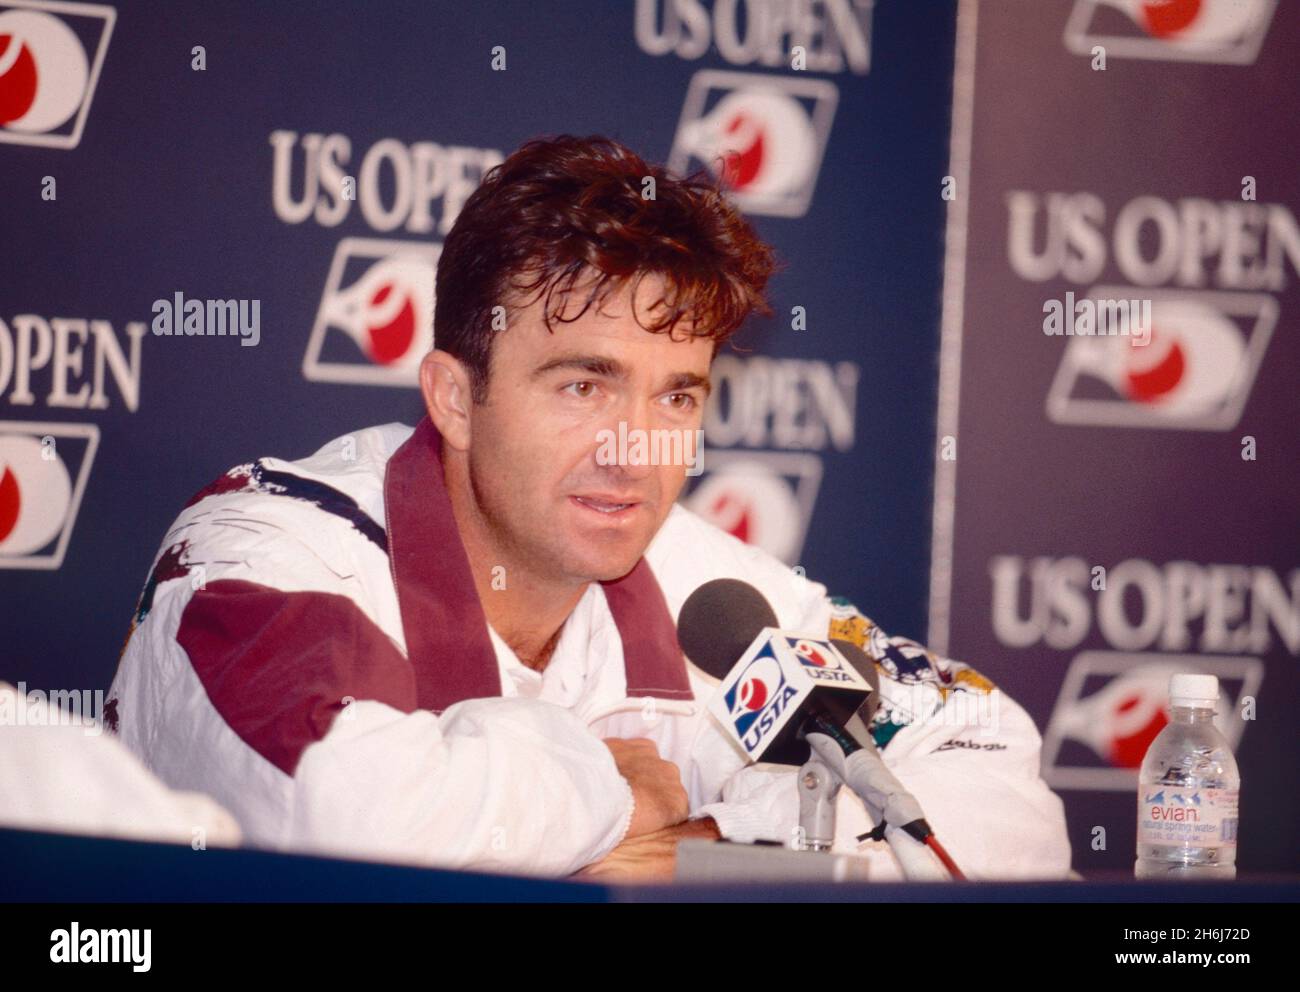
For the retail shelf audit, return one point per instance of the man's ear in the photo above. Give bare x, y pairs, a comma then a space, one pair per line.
444, 383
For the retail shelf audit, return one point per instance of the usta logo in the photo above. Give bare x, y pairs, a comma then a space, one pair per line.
759, 684
810, 653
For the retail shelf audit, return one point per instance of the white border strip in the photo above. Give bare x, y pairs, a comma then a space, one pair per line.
954, 290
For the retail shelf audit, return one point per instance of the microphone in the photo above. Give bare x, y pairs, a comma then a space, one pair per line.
784, 696
719, 620
865, 667
773, 681
714, 646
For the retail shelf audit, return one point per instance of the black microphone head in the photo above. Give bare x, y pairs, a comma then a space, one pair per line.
861, 661
719, 620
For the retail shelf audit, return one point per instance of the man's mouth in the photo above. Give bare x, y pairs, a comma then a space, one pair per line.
606, 506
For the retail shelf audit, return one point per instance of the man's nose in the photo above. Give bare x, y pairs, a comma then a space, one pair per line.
633, 423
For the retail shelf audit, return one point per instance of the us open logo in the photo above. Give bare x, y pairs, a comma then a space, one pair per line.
44, 468
1112, 705
51, 55
763, 136
375, 320
764, 498
1195, 373
1228, 32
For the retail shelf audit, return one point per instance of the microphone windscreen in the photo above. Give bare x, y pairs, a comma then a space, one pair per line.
718, 621
859, 659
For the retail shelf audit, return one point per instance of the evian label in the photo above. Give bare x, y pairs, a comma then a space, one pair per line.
1197, 818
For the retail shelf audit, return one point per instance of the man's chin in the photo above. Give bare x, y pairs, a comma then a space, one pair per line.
608, 568
603, 557
614, 571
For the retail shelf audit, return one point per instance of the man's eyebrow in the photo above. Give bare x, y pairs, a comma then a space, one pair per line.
610, 368
689, 380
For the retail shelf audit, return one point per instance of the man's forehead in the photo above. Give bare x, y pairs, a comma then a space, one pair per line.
609, 327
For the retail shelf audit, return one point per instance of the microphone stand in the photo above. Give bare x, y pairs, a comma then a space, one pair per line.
819, 782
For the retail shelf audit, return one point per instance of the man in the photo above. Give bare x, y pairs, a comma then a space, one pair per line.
456, 644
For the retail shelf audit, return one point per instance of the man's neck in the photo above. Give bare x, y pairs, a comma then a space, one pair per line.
526, 610
529, 619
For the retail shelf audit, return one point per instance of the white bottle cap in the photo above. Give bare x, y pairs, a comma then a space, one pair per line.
1186, 689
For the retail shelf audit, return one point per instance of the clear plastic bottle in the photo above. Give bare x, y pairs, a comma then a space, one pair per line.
1187, 791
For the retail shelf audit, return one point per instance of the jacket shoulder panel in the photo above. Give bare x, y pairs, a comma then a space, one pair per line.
281, 667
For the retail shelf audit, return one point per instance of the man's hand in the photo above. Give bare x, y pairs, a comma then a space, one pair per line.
650, 857
656, 785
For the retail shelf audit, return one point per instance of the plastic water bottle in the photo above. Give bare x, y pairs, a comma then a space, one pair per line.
1187, 791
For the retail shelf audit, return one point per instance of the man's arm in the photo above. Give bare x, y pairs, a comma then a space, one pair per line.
297, 712
651, 857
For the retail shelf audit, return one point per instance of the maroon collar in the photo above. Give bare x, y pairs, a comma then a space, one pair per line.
446, 630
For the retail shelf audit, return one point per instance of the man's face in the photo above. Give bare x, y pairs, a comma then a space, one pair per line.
539, 463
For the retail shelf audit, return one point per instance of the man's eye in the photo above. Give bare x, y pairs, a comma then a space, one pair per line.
585, 388
687, 401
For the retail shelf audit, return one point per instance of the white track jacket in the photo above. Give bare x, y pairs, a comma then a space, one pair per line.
310, 652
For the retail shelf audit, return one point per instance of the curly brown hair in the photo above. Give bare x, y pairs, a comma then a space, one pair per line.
560, 209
